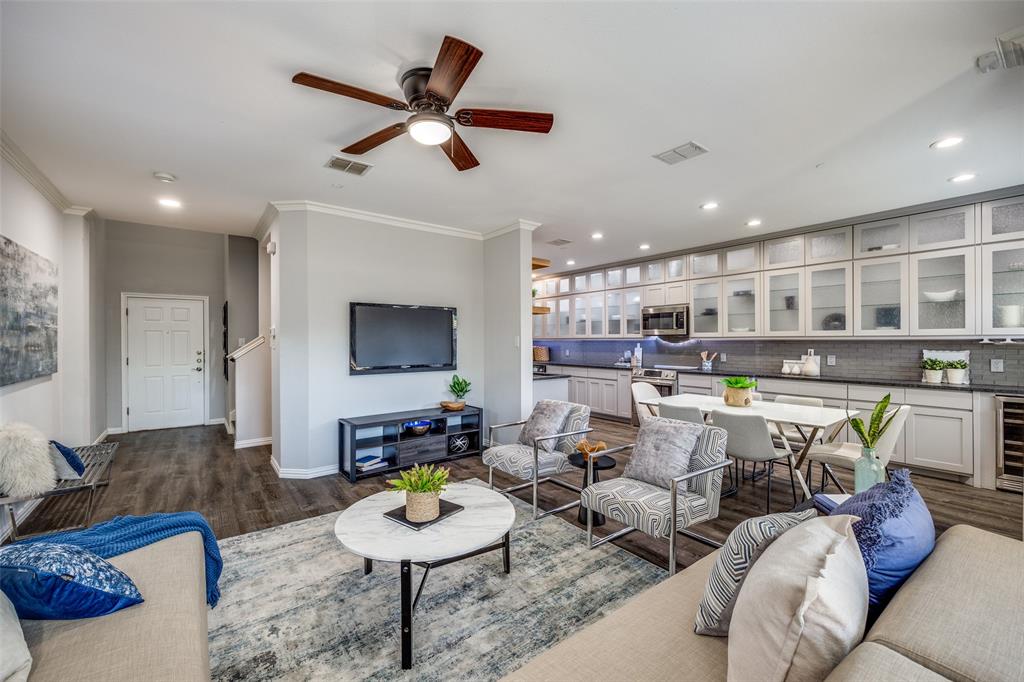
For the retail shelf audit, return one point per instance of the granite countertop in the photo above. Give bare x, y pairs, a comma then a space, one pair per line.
901, 383
545, 377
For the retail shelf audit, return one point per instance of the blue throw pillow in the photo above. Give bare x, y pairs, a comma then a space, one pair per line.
48, 581
71, 457
895, 534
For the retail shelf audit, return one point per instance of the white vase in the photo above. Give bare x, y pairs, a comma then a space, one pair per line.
933, 376
955, 376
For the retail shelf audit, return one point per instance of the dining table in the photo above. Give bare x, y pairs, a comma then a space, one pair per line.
826, 422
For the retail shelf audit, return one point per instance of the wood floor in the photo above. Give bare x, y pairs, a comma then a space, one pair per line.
238, 492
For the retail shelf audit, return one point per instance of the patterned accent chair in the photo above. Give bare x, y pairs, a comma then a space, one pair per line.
528, 459
691, 498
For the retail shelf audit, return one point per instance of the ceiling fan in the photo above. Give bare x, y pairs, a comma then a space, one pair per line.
429, 93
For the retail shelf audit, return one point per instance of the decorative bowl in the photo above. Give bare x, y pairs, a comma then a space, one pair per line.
418, 427
941, 296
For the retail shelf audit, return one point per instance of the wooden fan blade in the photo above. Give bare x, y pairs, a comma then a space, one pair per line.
320, 83
526, 121
378, 138
459, 153
452, 67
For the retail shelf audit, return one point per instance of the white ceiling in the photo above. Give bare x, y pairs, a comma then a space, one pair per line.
100, 95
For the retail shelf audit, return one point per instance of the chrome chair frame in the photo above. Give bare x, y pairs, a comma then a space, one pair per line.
535, 483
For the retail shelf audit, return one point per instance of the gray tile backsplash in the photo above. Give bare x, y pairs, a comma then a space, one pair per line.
855, 358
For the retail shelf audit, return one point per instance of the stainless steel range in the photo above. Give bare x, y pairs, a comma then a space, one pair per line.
662, 379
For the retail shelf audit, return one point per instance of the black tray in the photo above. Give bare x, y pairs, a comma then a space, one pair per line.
447, 509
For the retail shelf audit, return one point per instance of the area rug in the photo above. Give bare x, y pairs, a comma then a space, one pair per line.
295, 605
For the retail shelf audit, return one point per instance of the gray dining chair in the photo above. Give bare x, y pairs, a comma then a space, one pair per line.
844, 455
794, 434
684, 413
750, 440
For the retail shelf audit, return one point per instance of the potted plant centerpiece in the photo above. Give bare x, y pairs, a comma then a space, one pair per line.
955, 371
932, 370
458, 387
868, 470
739, 391
422, 486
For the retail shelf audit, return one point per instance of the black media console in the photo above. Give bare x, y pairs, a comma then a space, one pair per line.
386, 436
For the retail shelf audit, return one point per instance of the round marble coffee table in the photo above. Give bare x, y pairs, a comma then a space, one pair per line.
483, 526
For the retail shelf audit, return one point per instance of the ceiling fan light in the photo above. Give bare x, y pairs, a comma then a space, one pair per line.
429, 128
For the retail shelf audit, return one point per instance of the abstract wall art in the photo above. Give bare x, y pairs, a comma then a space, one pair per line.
28, 314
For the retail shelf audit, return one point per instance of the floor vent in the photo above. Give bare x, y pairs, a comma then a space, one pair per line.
559, 242
348, 166
683, 152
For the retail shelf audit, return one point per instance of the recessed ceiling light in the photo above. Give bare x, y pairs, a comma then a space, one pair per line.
167, 202
597, 235
570, 262
754, 222
946, 142
963, 177
533, 275
163, 176
644, 247
709, 206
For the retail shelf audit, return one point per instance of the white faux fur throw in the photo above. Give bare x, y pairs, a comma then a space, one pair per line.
25, 465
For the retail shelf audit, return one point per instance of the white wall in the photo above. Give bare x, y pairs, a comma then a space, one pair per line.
241, 290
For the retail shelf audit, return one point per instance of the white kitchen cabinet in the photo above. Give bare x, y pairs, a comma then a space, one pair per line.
624, 393
675, 269
1002, 288
829, 300
654, 295
632, 275
595, 280
547, 287
580, 283
742, 295
743, 258
677, 293
1002, 220
613, 278
622, 276
603, 394
899, 454
580, 318
595, 314
632, 305
943, 292
564, 285
940, 438
783, 300
881, 238
881, 295
706, 264
945, 229
706, 307
538, 324
548, 325
613, 313
564, 317
828, 246
784, 252
653, 271
578, 390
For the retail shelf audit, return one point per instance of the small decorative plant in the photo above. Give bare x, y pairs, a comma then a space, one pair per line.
933, 370
739, 382
534, 292
955, 370
867, 470
458, 387
955, 364
739, 391
422, 486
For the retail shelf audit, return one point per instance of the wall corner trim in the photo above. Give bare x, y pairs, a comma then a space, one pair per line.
519, 224
394, 221
303, 474
77, 210
263, 225
13, 155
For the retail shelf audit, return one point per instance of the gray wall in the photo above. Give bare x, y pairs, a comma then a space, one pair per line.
149, 259
242, 291
97, 327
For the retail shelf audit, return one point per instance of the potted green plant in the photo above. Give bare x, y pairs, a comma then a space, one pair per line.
933, 370
739, 391
422, 486
867, 470
458, 387
955, 370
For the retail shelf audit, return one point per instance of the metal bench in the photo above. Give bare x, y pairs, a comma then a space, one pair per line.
97, 459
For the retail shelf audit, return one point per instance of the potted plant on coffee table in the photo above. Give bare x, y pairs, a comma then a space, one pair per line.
458, 387
422, 486
739, 391
868, 470
955, 370
932, 370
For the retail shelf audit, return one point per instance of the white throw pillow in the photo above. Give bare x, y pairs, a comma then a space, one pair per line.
61, 467
15, 660
803, 605
26, 468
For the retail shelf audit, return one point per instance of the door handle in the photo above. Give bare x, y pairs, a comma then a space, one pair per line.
199, 369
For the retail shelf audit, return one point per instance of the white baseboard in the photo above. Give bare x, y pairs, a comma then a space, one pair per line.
304, 473
252, 442
214, 422
229, 427
231, 416
102, 437
20, 515
114, 430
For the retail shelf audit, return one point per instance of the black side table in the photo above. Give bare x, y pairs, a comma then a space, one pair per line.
602, 463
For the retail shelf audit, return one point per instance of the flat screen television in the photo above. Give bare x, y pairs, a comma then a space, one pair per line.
386, 338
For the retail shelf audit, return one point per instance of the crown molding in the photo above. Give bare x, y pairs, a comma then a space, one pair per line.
262, 228
77, 210
519, 224
13, 155
394, 221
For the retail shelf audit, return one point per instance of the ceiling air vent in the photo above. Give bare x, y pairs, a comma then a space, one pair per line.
559, 242
348, 166
685, 151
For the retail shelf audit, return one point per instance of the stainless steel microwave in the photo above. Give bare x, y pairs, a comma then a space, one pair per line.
666, 320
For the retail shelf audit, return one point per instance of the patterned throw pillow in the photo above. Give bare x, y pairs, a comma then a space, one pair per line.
662, 451
545, 420
745, 544
66, 462
578, 420
49, 581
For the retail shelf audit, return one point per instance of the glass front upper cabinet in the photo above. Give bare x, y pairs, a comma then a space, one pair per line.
744, 258
880, 296
828, 246
675, 269
633, 302
785, 252
613, 278
705, 307
942, 292
579, 316
705, 264
653, 271
550, 318
1002, 281
741, 305
783, 301
613, 301
945, 229
880, 238
596, 313
538, 321
595, 280
829, 300
631, 275
579, 283
564, 317
1002, 220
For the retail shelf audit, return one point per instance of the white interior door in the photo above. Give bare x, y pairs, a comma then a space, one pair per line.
166, 363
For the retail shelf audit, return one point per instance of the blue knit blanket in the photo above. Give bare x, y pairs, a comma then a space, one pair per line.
126, 533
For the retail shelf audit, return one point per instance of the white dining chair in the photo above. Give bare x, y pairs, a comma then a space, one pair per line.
749, 440
644, 391
844, 455
684, 413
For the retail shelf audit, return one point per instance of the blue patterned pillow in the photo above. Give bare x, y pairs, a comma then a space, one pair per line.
71, 457
48, 581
